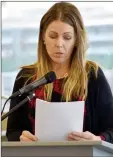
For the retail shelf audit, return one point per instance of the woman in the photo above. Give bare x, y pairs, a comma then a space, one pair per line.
61, 48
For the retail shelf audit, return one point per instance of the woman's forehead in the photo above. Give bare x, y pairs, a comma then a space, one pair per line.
60, 26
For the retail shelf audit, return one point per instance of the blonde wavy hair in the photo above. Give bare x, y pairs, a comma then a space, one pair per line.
76, 84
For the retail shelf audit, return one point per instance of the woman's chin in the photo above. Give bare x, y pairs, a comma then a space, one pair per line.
58, 61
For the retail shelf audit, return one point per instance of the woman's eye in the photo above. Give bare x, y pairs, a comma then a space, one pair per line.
67, 38
52, 37
55, 36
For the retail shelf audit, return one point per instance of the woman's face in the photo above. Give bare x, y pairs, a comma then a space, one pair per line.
59, 41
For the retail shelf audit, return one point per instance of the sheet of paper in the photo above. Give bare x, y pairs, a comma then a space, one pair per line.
55, 120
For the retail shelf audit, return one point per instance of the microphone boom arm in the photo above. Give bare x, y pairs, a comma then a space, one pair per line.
28, 98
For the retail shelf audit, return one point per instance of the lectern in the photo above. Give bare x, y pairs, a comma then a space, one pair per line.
57, 149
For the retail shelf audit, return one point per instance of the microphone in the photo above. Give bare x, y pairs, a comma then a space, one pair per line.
47, 78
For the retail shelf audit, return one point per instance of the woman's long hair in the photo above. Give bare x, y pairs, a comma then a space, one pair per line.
76, 84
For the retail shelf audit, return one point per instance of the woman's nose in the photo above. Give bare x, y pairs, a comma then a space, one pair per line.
58, 46
59, 43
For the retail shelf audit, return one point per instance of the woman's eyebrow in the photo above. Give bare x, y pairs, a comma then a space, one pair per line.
63, 33
53, 32
68, 33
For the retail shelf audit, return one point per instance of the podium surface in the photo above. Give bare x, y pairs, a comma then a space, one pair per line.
57, 149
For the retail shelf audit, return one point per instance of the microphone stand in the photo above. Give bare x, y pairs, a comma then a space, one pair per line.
28, 98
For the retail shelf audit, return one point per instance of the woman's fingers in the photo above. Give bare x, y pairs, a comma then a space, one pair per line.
82, 136
75, 138
26, 135
23, 138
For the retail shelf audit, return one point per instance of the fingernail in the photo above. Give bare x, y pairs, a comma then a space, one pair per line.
70, 135
36, 139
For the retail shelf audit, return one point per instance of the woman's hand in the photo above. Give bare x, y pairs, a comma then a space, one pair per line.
27, 136
82, 136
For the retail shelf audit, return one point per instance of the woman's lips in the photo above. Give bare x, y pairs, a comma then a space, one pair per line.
58, 54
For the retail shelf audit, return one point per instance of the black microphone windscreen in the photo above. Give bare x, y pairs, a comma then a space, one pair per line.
50, 76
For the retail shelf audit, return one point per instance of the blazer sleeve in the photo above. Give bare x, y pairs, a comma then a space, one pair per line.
18, 120
104, 107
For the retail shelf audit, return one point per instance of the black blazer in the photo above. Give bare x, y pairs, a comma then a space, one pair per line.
99, 107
